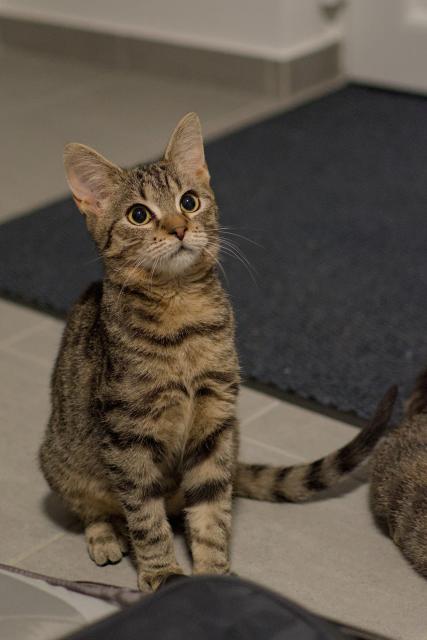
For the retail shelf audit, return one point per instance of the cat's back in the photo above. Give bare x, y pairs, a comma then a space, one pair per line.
69, 434
82, 324
79, 355
399, 488
85, 310
399, 465
406, 444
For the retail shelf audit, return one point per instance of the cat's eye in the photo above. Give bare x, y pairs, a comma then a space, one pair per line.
139, 214
189, 202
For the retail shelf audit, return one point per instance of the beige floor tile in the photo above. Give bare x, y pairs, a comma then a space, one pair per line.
17, 321
24, 411
43, 343
252, 403
299, 431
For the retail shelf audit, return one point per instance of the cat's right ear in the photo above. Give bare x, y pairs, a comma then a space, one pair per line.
185, 147
91, 177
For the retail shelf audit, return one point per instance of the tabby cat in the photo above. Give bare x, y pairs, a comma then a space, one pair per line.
399, 480
144, 388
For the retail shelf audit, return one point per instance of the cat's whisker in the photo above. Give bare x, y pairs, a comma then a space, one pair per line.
157, 261
218, 262
137, 265
112, 256
225, 231
233, 251
93, 260
228, 243
239, 235
245, 228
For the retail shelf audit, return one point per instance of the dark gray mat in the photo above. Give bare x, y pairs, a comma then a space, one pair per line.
336, 192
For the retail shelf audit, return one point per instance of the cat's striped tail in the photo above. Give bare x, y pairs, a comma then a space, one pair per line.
300, 482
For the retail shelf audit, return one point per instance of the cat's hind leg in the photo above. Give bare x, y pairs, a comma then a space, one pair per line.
99, 511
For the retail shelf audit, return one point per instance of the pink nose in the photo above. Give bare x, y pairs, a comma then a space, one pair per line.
179, 232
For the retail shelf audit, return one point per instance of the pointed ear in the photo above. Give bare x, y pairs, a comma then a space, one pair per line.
91, 177
185, 147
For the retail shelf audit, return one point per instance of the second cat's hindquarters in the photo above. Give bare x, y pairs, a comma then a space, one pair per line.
398, 489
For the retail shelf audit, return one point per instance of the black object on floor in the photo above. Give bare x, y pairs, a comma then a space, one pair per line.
216, 609
336, 192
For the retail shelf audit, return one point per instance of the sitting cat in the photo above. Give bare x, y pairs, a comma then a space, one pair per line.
399, 480
144, 388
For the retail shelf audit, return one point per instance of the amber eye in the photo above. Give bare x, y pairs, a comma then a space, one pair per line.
139, 214
189, 202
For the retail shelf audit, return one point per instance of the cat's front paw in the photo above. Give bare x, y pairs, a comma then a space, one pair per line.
209, 569
152, 580
107, 547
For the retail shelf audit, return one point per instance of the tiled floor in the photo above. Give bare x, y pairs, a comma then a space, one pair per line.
328, 554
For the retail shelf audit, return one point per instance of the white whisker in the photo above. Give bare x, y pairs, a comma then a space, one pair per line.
217, 261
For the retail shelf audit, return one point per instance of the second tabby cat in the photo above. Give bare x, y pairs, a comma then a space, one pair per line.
399, 480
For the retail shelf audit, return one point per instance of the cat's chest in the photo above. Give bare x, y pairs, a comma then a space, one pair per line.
170, 348
184, 360
188, 336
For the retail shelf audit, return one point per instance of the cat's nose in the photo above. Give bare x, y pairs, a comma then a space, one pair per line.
175, 225
179, 232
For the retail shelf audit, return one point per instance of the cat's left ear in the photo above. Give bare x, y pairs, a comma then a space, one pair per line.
91, 177
185, 147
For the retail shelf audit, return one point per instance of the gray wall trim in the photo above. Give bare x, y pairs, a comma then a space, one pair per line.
269, 77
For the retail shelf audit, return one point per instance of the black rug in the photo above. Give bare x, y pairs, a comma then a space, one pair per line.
336, 192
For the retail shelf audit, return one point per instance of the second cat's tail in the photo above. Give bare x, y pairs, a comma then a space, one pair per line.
300, 482
417, 402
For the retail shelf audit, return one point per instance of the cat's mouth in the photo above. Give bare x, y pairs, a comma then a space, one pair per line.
181, 258
181, 249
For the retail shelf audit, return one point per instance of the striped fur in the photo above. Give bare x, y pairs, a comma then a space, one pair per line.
399, 480
417, 402
143, 421
298, 483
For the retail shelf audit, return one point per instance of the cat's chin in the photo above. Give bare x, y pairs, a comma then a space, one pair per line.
180, 261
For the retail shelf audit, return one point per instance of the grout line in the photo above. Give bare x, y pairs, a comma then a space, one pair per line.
24, 333
260, 412
270, 447
22, 556
26, 356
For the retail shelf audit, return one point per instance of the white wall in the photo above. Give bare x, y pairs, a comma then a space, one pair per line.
386, 43
277, 29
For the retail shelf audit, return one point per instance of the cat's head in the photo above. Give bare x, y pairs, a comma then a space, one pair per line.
158, 220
